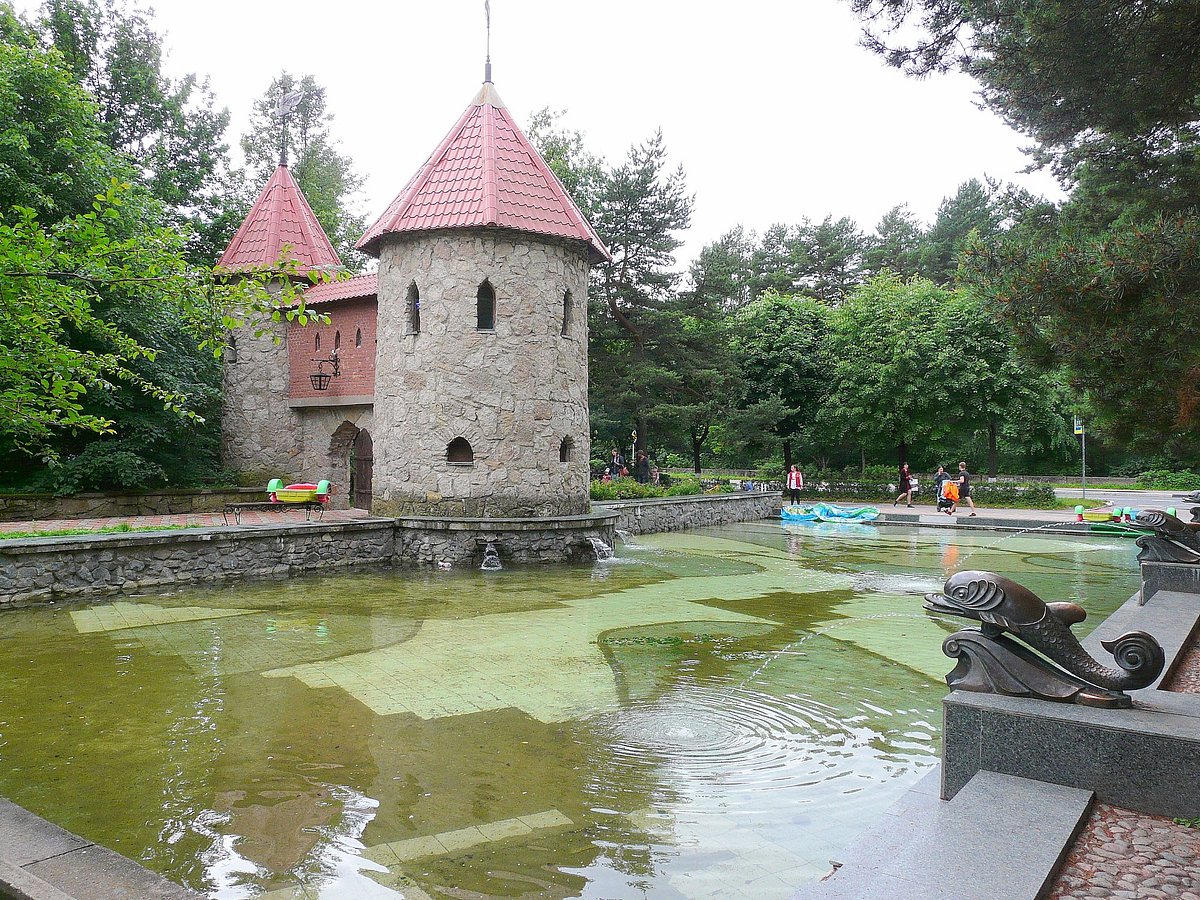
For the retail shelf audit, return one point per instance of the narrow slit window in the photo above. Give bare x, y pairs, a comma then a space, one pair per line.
485, 307
459, 451
317, 341
413, 305
566, 313
337, 340
358, 338
566, 449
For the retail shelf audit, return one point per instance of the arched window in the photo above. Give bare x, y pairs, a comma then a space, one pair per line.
459, 451
485, 307
566, 318
337, 340
317, 342
566, 449
413, 309
358, 338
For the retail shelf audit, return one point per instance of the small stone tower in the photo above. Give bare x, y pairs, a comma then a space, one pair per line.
481, 390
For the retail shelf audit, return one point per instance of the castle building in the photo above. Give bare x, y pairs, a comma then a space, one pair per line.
462, 385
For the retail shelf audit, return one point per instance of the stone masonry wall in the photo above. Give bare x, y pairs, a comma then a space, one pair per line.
679, 513
514, 393
26, 507
46, 570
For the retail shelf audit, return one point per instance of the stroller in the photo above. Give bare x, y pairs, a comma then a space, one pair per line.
947, 496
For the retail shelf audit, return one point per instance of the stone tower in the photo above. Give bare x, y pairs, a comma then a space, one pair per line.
481, 385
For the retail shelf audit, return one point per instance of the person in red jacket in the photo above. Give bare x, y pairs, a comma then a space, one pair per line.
795, 483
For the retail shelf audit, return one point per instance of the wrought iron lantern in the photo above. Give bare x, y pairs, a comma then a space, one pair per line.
320, 379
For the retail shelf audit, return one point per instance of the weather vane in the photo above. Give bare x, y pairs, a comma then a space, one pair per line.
487, 15
286, 106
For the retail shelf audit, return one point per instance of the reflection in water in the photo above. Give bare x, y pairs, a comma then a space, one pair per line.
716, 715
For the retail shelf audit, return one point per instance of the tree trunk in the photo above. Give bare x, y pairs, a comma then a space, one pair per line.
992, 460
862, 461
787, 455
902, 449
696, 445
640, 446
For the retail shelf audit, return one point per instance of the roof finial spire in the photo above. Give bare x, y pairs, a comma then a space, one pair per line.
286, 106
487, 67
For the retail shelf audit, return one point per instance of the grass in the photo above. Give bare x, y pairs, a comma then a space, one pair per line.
123, 528
1072, 502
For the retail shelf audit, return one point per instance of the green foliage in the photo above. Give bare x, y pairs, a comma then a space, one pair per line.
1167, 480
999, 495
629, 489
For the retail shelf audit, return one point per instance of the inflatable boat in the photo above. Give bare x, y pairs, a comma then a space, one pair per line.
828, 512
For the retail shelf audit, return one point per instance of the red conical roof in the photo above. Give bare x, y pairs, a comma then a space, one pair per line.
485, 173
280, 217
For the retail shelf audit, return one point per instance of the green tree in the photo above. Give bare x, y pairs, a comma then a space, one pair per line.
324, 173
581, 172
642, 209
889, 386
970, 211
722, 275
168, 128
779, 345
896, 244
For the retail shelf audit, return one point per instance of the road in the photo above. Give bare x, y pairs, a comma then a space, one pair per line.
1134, 498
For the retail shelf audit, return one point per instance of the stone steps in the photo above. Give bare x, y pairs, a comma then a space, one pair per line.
1002, 837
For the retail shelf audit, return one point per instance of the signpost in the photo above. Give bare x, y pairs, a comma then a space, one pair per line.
1079, 430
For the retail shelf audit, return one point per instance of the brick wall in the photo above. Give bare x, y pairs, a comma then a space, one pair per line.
347, 319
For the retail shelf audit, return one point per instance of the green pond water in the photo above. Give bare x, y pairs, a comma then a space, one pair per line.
713, 714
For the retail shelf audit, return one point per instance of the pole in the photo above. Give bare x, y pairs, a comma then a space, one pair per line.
1083, 473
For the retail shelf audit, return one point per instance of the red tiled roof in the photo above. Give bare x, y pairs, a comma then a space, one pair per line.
350, 289
280, 217
485, 173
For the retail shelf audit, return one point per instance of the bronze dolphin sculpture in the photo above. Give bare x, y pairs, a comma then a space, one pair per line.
1002, 605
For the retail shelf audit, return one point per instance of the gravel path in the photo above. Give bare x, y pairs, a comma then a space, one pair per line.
1125, 854
1186, 678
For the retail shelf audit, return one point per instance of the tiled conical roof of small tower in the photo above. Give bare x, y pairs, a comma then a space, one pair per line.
485, 173
280, 218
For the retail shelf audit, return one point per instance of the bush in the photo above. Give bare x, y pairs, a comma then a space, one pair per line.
1022, 496
105, 465
629, 489
1166, 480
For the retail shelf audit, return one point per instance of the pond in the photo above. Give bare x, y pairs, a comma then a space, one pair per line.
712, 713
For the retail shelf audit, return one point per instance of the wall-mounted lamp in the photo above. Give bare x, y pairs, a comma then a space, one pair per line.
320, 379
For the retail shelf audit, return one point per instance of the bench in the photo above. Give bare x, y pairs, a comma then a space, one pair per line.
236, 509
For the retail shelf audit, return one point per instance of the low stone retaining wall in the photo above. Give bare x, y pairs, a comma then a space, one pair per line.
24, 507
48, 569
679, 513
45, 570
425, 541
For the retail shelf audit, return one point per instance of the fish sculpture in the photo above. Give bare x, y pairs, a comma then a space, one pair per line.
990, 661
1173, 540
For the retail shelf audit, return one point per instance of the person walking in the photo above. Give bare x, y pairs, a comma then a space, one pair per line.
617, 464
641, 469
906, 483
940, 477
795, 483
964, 487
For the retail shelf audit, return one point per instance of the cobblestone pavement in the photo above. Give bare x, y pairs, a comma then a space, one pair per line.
1186, 679
284, 516
1124, 854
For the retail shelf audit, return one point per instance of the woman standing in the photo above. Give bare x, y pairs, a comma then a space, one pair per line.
795, 483
905, 486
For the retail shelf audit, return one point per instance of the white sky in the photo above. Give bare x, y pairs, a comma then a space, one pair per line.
771, 106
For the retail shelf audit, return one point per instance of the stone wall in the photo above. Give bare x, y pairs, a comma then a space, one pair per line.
25, 507
423, 541
513, 392
678, 513
52, 569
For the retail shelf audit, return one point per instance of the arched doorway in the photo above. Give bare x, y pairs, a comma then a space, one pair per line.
361, 461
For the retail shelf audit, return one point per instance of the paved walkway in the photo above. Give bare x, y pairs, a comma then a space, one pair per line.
284, 516
1121, 853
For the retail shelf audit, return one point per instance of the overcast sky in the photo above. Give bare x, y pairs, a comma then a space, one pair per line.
771, 106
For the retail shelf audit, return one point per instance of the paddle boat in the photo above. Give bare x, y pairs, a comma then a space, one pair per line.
298, 493
828, 512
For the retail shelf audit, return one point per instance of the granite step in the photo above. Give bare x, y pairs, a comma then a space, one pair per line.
1002, 837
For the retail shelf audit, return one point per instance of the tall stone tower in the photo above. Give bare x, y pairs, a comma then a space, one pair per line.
481, 386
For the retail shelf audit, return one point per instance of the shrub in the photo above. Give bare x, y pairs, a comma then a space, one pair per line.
1024, 496
1166, 480
629, 489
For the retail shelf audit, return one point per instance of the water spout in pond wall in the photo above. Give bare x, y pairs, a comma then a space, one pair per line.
601, 549
491, 559
623, 536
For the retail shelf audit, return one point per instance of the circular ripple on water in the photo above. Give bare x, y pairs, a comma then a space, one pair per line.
734, 735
